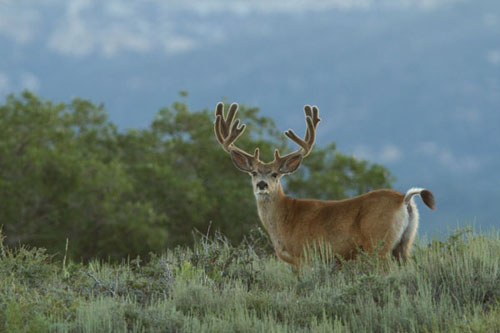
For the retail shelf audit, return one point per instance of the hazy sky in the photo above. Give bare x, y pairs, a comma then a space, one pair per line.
106, 28
112, 28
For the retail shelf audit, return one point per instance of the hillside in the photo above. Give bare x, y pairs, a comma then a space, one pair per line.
448, 286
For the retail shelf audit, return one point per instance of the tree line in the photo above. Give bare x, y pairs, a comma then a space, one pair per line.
68, 172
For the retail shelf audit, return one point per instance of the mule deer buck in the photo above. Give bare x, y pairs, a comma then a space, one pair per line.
383, 220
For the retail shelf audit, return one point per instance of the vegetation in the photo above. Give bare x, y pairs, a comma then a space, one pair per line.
449, 286
67, 172
72, 184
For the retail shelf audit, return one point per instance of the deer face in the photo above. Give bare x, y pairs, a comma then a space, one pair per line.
265, 176
265, 180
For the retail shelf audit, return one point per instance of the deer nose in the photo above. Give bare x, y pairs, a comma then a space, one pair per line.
262, 185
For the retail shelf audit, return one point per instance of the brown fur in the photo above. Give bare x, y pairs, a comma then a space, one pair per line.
367, 222
385, 221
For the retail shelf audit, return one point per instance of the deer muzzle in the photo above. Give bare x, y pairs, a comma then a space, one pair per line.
262, 185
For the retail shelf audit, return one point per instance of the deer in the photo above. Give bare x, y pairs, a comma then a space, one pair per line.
382, 222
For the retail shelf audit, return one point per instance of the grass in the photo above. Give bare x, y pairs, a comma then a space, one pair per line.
447, 286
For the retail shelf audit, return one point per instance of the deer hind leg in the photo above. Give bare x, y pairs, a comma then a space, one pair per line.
385, 236
285, 256
380, 246
403, 248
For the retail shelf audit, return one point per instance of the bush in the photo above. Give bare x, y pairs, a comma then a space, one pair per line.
447, 286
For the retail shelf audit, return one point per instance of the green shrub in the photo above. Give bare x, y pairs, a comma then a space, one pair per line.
450, 285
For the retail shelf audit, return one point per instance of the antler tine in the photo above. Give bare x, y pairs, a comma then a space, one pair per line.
219, 109
306, 144
227, 130
230, 116
234, 133
256, 154
294, 137
313, 114
217, 129
311, 131
308, 110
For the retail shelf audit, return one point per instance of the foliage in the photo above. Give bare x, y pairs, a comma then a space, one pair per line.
451, 285
66, 172
62, 176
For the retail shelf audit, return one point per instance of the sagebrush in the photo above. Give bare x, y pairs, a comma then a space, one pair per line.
451, 285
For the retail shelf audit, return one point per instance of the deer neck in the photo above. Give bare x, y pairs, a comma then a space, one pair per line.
273, 212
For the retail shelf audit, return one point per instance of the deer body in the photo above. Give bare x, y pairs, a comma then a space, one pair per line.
382, 220
376, 219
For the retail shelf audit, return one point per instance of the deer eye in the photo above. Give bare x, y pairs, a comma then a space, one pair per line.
254, 173
274, 175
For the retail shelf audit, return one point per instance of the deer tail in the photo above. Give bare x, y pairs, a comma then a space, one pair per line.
425, 194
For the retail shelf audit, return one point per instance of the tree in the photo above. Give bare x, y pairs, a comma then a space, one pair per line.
67, 172
61, 177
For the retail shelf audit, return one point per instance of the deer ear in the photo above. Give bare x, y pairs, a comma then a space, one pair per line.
291, 164
240, 161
